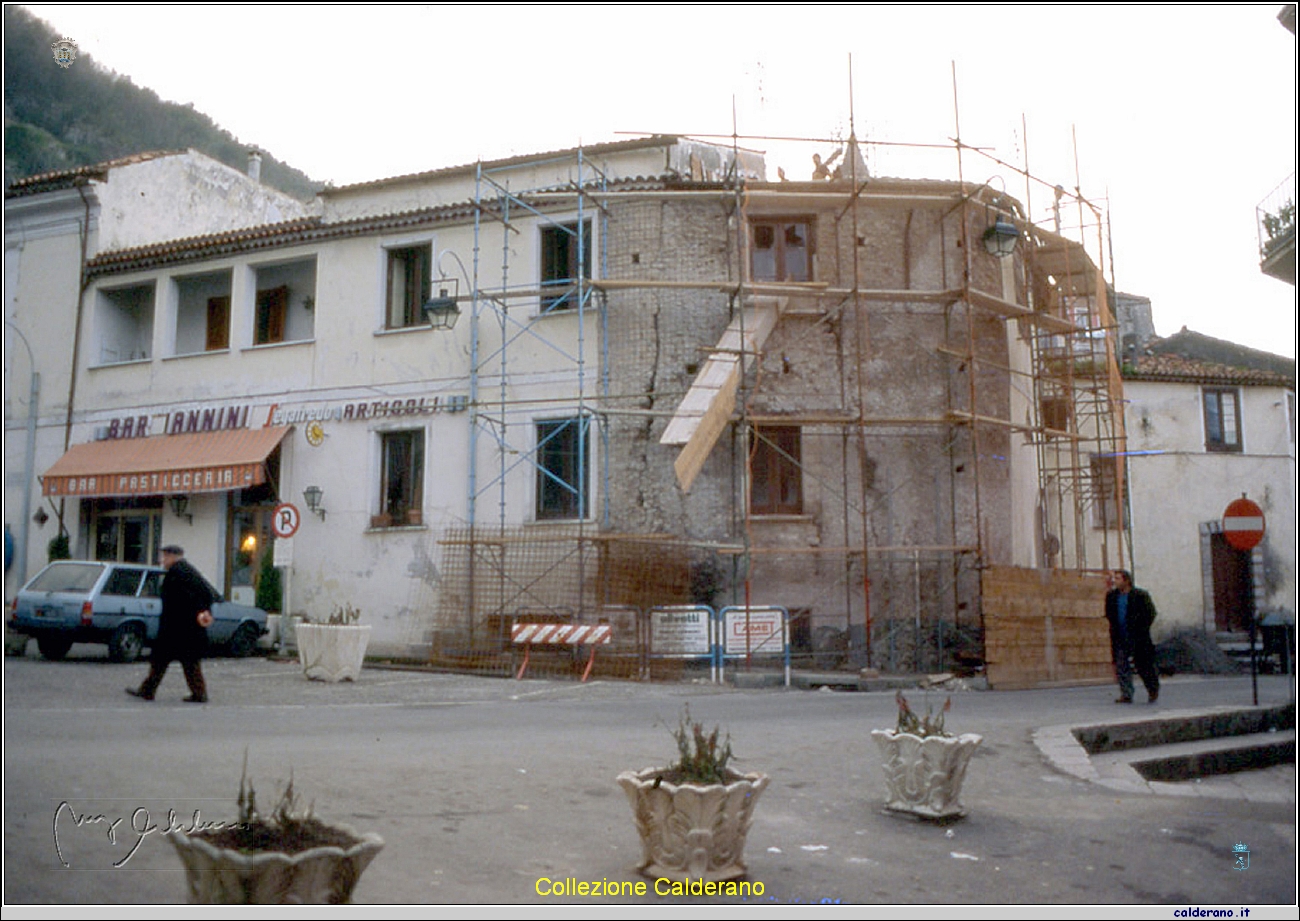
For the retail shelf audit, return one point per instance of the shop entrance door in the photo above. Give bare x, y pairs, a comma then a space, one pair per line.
128, 536
250, 541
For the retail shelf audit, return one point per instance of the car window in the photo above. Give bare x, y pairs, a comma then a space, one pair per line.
152, 585
78, 578
123, 582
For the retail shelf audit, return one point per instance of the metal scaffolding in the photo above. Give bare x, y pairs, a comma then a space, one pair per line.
1035, 328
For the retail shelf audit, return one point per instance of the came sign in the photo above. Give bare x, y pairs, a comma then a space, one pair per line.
1243, 524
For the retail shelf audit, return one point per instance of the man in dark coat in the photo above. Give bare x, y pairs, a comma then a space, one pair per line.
187, 601
1130, 612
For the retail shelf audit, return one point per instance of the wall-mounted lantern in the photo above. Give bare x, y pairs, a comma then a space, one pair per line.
1000, 238
313, 495
180, 506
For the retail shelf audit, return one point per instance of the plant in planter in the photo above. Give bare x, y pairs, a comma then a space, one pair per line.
333, 650
289, 857
924, 763
694, 815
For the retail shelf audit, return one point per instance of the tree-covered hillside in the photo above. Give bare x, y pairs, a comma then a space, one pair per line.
60, 118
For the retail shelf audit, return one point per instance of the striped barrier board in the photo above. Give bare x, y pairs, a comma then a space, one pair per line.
530, 635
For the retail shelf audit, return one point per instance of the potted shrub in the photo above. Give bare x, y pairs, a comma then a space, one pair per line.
287, 858
694, 815
333, 650
924, 763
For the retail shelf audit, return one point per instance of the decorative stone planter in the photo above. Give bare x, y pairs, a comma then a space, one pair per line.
924, 775
319, 876
691, 830
329, 652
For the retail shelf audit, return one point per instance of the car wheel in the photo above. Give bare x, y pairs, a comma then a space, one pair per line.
244, 641
53, 647
126, 643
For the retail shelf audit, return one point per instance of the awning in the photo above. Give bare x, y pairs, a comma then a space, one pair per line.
198, 462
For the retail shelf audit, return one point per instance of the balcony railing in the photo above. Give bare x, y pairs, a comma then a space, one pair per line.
1275, 217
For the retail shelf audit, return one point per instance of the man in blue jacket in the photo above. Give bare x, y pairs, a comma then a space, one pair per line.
1130, 612
187, 601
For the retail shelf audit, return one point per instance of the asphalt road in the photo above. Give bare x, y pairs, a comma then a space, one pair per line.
482, 786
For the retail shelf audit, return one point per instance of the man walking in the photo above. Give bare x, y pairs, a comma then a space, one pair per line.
1130, 612
187, 601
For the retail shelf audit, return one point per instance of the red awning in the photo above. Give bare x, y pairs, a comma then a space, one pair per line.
199, 462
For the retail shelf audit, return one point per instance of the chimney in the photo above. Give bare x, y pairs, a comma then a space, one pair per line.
254, 165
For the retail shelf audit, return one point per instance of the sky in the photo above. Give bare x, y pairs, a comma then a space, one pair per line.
1176, 120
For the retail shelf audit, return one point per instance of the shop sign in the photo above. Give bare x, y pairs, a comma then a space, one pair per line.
368, 409
208, 479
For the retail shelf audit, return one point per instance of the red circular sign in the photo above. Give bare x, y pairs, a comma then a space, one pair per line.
285, 520
1243, 524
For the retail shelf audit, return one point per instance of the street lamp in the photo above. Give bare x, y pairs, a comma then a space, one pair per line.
442, 311
1000, 238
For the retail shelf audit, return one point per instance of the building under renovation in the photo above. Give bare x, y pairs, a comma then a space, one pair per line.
879, 405
615, 384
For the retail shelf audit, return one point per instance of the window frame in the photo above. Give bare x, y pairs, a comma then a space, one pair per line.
416, 262
1217, 422
776, 470
551, 239
779, 270
562, 457
401, 504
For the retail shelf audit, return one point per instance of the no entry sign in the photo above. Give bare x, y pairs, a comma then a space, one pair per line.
1243, 524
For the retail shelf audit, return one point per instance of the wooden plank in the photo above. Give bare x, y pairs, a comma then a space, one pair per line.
705, 410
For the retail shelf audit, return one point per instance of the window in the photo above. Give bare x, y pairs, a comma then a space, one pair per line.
780, 250
125, 323
401, 482
407, 286
776, 478
1055, 412
565, 258
1105, 492
1222, 420
562, 468
284, 308
123, 582
152, 585
203, 312
272, 309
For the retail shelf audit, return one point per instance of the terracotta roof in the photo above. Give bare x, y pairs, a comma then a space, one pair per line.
303, 230
1182, 369
70, 178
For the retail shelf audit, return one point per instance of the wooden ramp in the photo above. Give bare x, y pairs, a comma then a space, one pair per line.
705, 410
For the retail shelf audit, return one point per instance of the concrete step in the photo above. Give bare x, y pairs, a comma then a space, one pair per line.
1224, 752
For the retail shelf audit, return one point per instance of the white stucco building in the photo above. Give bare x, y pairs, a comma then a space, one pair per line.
1209, 421
55, 223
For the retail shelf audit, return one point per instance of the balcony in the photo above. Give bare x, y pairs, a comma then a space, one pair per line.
1275, 217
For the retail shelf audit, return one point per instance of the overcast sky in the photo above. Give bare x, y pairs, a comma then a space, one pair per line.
1183, 116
